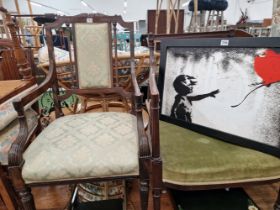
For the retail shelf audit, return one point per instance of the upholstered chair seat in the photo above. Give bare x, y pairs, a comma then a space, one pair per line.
190, 159
84, 146
9, 134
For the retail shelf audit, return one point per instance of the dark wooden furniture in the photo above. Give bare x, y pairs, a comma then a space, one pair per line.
15, 69
22, 63
160, 171
8, 65
11, 82
85, 26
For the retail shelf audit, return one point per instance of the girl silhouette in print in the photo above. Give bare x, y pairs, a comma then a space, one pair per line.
182, 107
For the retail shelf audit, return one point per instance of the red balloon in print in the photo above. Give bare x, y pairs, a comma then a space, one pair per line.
268, 67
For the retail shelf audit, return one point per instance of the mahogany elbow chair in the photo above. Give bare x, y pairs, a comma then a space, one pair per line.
84, 147
182, 160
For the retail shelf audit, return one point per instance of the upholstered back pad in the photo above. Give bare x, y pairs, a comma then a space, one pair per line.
93, 55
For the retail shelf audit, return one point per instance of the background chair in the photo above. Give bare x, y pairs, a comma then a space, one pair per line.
90, 146
192, 161
15, 70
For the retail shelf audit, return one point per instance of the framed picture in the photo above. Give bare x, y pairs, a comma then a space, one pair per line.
225, 88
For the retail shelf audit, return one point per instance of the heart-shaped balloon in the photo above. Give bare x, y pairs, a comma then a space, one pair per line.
267, 67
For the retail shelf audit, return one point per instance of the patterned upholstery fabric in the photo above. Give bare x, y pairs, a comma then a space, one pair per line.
190, 158
93, 55
84, 146
7, 111
9, 134
7, 114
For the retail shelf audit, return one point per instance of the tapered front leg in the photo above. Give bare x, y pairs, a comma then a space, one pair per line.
144, 183
22, 190
156, 182
26, 198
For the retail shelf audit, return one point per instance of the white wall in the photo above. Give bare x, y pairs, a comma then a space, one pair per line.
257, 10
137, 9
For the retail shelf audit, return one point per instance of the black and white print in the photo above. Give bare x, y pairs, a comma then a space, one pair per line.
219, 88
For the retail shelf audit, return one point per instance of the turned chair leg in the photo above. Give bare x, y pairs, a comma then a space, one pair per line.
26, 198
156, 182
144, 183
277, 203
22, 190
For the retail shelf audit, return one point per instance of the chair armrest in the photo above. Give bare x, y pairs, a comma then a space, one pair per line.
153, 109
144, 145
15, 156
135, 85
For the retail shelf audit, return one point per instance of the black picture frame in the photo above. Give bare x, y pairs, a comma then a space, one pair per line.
226, 44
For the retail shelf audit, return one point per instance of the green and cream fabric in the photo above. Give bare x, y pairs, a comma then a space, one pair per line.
190, 158
7, 111
7, 114
9, 125
84, 146
93, 55
10, 133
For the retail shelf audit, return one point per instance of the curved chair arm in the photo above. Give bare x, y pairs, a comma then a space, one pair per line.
144, 145
17, 148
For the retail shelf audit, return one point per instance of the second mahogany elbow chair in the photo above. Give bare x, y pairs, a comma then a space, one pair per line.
186, 160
